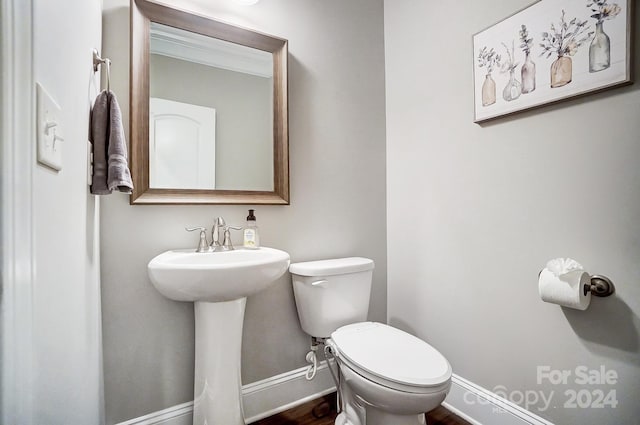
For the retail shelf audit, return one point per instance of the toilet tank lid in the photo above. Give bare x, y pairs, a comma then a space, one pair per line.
332, 267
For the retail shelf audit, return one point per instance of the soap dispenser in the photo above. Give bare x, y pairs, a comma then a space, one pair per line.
251, 235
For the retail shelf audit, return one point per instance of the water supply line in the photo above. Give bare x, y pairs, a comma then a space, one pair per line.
313, 359
327, 353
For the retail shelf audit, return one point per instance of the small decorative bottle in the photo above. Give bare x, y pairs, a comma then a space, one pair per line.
561, 71
488, 91
513, 88
251, 235
599, 50
528, 74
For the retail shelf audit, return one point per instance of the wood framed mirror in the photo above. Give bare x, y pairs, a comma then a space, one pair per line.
191, 76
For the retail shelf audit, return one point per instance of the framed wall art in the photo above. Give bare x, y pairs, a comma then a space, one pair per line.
551, 51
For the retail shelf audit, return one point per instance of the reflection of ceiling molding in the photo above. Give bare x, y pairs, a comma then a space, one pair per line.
192, 47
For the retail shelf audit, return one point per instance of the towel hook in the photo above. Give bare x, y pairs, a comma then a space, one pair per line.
108, 63
97, 61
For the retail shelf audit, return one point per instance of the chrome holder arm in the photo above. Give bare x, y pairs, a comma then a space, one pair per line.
600, 286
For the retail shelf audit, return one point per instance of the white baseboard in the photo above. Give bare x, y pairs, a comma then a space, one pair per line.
282, 392
260, 399
181, 414
482, 407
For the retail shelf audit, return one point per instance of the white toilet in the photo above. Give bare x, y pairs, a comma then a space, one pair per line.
388, 377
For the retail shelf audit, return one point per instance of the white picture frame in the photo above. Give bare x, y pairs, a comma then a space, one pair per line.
577, 47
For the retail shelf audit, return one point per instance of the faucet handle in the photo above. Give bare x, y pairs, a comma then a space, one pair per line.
203, 246
227, 245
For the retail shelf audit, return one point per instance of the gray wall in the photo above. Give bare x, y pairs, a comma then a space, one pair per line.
475, 211
337, 127
238, 99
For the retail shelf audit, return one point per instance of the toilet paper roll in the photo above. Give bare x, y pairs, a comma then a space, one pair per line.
566, 290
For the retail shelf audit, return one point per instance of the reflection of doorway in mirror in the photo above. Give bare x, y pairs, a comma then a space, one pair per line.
182, 145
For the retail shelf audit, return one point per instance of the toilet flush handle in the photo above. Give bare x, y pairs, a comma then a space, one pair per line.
320, 283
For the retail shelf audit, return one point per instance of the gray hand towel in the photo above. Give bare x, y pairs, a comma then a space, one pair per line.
110, 169
118, 175
100, 140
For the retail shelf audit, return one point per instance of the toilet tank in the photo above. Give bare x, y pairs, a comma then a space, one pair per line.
331, 293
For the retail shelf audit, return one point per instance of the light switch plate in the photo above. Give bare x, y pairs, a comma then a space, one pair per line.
49, 130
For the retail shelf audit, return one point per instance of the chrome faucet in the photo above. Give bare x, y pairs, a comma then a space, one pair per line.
218, 226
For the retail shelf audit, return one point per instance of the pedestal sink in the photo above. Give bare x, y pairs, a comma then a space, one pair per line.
218, 283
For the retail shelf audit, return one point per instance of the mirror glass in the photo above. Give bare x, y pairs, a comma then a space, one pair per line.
209, 110
210, 113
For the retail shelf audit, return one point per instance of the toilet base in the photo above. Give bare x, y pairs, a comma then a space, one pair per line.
378, 417
368, 403
353, 409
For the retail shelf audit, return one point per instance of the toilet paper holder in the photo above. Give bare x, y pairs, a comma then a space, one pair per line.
600, 286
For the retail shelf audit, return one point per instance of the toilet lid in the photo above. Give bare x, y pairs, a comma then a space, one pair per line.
391, 354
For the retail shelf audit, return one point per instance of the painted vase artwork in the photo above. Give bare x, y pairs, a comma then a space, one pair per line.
561, 71
565, 48
600, 48
513, 89
528, 70
488, 59
564, 40
488, 91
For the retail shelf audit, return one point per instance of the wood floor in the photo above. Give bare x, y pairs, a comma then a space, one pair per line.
322, 411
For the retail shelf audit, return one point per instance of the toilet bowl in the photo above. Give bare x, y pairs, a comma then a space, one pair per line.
389, 377
394, 377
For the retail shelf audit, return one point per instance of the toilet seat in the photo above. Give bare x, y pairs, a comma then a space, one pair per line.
391, 357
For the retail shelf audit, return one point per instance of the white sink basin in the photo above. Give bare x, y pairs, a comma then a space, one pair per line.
185, 275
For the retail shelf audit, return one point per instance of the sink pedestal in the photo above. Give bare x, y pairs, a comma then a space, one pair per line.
219, 284
217, 384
